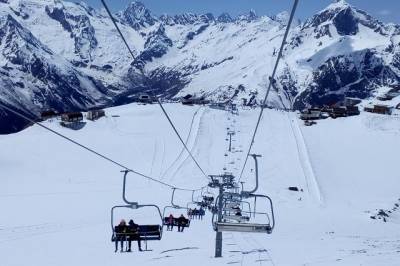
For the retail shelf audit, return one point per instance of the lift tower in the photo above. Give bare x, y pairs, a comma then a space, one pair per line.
222, 182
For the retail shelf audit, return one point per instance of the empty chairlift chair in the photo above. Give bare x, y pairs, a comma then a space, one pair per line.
247, 227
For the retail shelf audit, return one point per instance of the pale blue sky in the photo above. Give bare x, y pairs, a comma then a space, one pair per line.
385, 10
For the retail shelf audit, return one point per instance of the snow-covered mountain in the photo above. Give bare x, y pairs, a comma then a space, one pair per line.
66, 56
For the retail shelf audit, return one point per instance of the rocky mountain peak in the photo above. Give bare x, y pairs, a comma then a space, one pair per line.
137, 16
345, 18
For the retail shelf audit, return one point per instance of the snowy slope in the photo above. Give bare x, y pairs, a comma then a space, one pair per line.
56, 198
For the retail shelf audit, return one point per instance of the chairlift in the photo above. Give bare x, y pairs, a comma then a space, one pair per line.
208, 197
196, 203
245, 227
234, 211
146, 232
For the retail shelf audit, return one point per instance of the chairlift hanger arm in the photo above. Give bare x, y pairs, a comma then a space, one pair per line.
172, 199
245, 193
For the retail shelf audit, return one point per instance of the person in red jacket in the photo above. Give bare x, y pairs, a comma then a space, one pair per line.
170, 222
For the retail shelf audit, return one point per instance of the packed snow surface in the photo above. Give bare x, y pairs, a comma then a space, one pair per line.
56, 198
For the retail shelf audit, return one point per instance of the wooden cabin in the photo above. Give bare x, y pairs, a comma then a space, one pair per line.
311, 114
72, 117
351, 101
379, 109
352, 110
191, 100
340, 111
145, 98
95, 114
48, 115
188, 99
383, 109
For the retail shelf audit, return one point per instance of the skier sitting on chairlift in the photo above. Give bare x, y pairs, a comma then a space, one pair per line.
133, 235
120, 235
182, 221
195, 213
202, 212
170, 222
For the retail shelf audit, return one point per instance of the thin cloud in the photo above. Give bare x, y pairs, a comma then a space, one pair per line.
385, 12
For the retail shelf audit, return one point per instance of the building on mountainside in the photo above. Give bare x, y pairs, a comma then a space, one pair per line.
191, 100
352, 110
72, 120
145, 98
95, 114
48, 115
187, 100
311, 114
379, 109
339, 111
309, 123
351, 101
398, 107
72, 117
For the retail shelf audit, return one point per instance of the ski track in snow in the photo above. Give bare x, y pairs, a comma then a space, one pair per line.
181, 158
305, 161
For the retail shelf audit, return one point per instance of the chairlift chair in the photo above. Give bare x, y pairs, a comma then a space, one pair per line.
174, 207
267, 227
146, 232
231, 210
197, 202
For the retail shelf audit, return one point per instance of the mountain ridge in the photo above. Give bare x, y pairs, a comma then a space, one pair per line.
340, 51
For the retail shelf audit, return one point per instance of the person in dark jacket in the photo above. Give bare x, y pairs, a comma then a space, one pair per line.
133, 235
120, 235
195, 213
182, 222
202, 212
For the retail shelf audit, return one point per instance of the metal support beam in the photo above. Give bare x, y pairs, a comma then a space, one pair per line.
124, 190
247, 193
230, 133
218, 238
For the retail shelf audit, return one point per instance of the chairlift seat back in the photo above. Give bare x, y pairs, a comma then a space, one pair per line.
240, 219
186, 222
146, 232
243, 228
